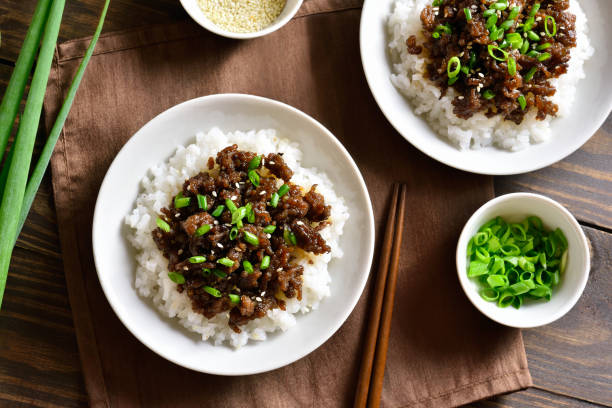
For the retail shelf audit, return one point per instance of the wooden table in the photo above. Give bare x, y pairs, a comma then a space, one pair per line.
570, 360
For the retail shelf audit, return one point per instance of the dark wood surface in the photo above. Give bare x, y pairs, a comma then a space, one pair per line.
570, 360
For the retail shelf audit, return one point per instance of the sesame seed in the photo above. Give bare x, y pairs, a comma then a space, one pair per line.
538, 18
461, 55
460, 97
299, 223
271, 162
262, 192
233, 198
180, 251
542, 33
177, 215
263, 293
279, 269
268, 236
237, 185
480, 74
258, 299
216, 222
214, 193
242, 15
220, 245
185, 268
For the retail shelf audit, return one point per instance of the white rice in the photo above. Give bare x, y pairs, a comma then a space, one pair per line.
477, 131
166, 179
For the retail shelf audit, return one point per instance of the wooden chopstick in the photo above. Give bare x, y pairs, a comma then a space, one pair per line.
373, 338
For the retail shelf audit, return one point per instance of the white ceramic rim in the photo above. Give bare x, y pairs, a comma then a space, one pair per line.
202, 20
460, 258
370, 244
523, 166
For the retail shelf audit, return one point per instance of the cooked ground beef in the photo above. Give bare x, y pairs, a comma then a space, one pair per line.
219, 278
487, 84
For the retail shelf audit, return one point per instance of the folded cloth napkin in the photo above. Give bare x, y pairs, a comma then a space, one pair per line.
442, 352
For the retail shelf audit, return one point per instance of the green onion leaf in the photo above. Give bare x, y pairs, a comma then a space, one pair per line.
233, 233
544, 46
514, 13
225, 262
269, 229
289, 237
234, 298
212, 291
499, 6
452, 80
468, 14
218, 211
543, 56
251, 238
494, 49
238, 215
197, 259
488, 13
283, 190
247, 266
219, 274
491, 21
254, 163
274, 200
522, 102
206, 272
265, 262
553, 31
230, 205
176, 278
533, 36
452, 72
489, 294
527, 77
534, 10
488, 94
202, 204
511, 66
254, 177
250, 213
163, 225
203, 229
506, 25
524, 46
505, 299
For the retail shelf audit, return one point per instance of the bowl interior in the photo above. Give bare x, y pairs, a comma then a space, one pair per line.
193, 9
154, 143
515, 207
591, 106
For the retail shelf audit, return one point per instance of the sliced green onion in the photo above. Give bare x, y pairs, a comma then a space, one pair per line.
554, 26
176, 278
496, 281
527, 77
489, 294
230, 205
444, 28
283, 190
499, 6
206, 272
234, 298
265, 262
488, 13
197, 259
528, 25
533, 54
515, 40
225, 262
202, 204
435, 35
289, 237
522, 102
238, 215
254, 177
437, 3
163, 225
472, 60
465, 70
248, 267
274, 200
533, 36
534, 9
506, 25
505, 299
493, 49
488, 94
524, 46
514, 13
250, 213
254, 163
511, 66
504, 44
219, 274
452, 72
203, 229
544, 56
218, 211
212, 291
251, 238
491, 21
452, 80
180, 201
233, 233
269, 229
544, 46
468, 14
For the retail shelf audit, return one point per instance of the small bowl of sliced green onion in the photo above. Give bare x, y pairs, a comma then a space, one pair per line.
523, 260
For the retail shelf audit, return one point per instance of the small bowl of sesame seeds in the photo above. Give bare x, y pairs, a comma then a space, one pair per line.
241, 19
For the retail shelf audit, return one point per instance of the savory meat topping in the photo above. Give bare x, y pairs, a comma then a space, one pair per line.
498, 55
231, 235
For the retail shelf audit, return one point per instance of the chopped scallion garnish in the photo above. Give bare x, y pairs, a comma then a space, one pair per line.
197, 259
163, 225
202, 204
493, 49
254, 177
468, 14
233, 233
283, 190
542, 47
534, 10
522, 102
544, 56
274, 200
219, 274
218, 211
511, 66
265, 262
230, 205
234, 298
452, 72
269, 229
488, 94
225, 262
251, 238
176, 278
550, 33
254, 163
212, 291
248, 267
202, 230
180, 201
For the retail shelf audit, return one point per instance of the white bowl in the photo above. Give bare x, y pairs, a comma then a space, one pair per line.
193, 9
154, 143
515, 207
591, 107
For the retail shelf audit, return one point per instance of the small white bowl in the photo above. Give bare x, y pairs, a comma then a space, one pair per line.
515, 207
193, 9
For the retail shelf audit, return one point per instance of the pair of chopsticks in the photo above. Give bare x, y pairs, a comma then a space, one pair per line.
372, 369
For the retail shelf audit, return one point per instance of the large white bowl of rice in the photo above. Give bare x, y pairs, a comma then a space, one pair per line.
152, 167
480, 144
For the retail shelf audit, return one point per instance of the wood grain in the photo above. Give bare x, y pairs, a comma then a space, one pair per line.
570, 360
582, 182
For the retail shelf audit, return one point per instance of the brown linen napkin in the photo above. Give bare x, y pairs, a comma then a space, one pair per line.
442, 351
